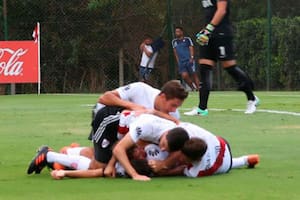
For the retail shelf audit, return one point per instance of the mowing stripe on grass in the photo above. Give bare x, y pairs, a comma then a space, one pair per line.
281, 112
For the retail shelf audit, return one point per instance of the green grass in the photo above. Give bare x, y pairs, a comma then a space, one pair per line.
28, 121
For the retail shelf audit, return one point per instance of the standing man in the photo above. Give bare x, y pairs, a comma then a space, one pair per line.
184, 54
147, 60
216, 44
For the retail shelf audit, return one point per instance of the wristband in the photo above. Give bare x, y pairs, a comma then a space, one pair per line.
210, 27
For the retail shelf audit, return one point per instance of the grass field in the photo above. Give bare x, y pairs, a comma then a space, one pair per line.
28, 121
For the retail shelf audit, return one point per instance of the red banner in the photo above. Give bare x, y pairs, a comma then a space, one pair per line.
19, 62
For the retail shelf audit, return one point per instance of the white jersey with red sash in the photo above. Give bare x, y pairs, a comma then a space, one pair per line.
217, 158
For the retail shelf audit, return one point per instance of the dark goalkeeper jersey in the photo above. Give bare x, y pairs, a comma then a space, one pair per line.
224, 28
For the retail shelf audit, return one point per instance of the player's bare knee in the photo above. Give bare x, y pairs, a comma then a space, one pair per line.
87, 152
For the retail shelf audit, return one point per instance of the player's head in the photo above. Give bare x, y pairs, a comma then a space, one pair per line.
179, 32
194, 149
142, 167
173, 140
171, 97
136, 153
148, 39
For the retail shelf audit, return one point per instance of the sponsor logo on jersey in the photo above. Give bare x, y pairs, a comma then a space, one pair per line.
207, 3
138, 131
127, 87
153, 152
105, 143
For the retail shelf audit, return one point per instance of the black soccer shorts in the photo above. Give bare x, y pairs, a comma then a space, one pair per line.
218, 48
105, 131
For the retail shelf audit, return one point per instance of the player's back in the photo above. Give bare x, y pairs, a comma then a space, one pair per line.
213, 144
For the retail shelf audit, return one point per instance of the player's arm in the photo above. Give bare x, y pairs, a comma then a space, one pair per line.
176, 55
168, 163
121, 155
91, 173
220, 13
165, 116
192, 52
110, 170
144, 49
176, 171
203, 35
112, 98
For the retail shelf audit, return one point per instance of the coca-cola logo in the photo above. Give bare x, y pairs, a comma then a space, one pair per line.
12, 65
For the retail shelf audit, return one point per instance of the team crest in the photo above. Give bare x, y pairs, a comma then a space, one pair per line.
105, 143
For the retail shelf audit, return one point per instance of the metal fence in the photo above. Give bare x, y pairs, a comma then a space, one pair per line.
85, 42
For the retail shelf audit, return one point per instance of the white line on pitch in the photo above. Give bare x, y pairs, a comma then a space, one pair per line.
258, 110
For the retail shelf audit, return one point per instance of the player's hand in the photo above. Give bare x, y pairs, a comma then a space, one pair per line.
173, 119
156, 165
141, 178
110, 171
58, 174
203, 36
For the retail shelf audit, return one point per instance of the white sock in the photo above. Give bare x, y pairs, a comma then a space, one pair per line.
74, 151
239, 162
75, 162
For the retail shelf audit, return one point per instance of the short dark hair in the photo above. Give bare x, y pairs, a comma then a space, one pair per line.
142, 167
173, 89
176, 138
148, 36
180, 28
194, 149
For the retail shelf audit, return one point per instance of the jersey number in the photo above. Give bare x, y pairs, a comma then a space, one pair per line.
222, 51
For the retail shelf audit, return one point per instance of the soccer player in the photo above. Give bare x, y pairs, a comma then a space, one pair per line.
207, 153
216, 44
147, 60
184, 54
152, 129
135, 96
138, 155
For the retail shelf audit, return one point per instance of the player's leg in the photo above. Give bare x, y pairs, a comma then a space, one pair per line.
147, 74
194, 75
207, 61
249, 160
184, 73
142, 72
73, 150
186, 77
205, 87
245, 84
45, 156
105, 128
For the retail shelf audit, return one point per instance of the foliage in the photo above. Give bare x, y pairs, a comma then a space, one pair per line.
81, 39
252, 46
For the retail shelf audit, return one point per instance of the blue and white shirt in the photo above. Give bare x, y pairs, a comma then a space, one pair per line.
182, 47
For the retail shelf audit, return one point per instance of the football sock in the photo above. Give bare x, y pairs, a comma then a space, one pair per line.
205, 85
74, 151
239, 162
74, 162
245, 84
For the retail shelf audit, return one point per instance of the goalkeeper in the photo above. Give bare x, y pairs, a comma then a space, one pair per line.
216, 44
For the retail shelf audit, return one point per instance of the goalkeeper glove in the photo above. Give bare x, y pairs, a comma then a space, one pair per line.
202, 37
